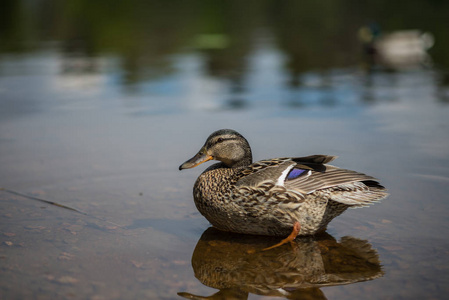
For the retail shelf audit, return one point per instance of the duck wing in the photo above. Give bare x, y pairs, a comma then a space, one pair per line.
306, 175
277, 169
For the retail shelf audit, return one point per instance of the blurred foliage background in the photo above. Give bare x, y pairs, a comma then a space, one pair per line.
143, 34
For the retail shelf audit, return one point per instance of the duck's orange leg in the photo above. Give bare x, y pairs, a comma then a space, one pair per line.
291, 237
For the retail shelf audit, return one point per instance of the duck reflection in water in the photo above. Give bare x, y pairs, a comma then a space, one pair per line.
237, 266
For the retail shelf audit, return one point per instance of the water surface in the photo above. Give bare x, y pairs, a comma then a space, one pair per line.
99, 119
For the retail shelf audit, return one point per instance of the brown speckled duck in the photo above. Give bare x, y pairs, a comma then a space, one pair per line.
278, 197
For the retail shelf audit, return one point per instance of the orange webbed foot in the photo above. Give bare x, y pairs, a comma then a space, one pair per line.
290, 238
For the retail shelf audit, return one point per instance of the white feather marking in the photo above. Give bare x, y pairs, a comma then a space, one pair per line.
283, 291
284, 174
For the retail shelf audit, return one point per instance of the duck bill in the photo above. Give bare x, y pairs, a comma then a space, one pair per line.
198, 159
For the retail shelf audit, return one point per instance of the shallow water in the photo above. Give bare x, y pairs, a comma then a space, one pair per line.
104, 134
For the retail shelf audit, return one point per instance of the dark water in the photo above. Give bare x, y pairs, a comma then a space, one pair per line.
101, 101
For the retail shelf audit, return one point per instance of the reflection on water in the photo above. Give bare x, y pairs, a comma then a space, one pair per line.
141, 35
213, 55
236, 265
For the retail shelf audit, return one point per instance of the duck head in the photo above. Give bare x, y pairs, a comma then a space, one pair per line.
225, 145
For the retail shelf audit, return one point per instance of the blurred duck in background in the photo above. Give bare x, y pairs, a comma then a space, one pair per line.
397, 50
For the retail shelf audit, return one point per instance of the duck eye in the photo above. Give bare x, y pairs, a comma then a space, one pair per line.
219, 140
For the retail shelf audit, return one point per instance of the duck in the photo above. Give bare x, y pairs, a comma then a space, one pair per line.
397, 50
286, 196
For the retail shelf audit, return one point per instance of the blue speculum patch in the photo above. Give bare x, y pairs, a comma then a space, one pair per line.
295, 173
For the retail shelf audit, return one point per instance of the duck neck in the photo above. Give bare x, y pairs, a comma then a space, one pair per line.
245, 161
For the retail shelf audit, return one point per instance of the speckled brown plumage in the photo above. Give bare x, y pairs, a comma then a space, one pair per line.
269, 196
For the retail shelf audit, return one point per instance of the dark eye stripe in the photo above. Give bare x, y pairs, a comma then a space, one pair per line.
221, 140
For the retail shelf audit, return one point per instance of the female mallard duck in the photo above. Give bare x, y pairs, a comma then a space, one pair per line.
280, 196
